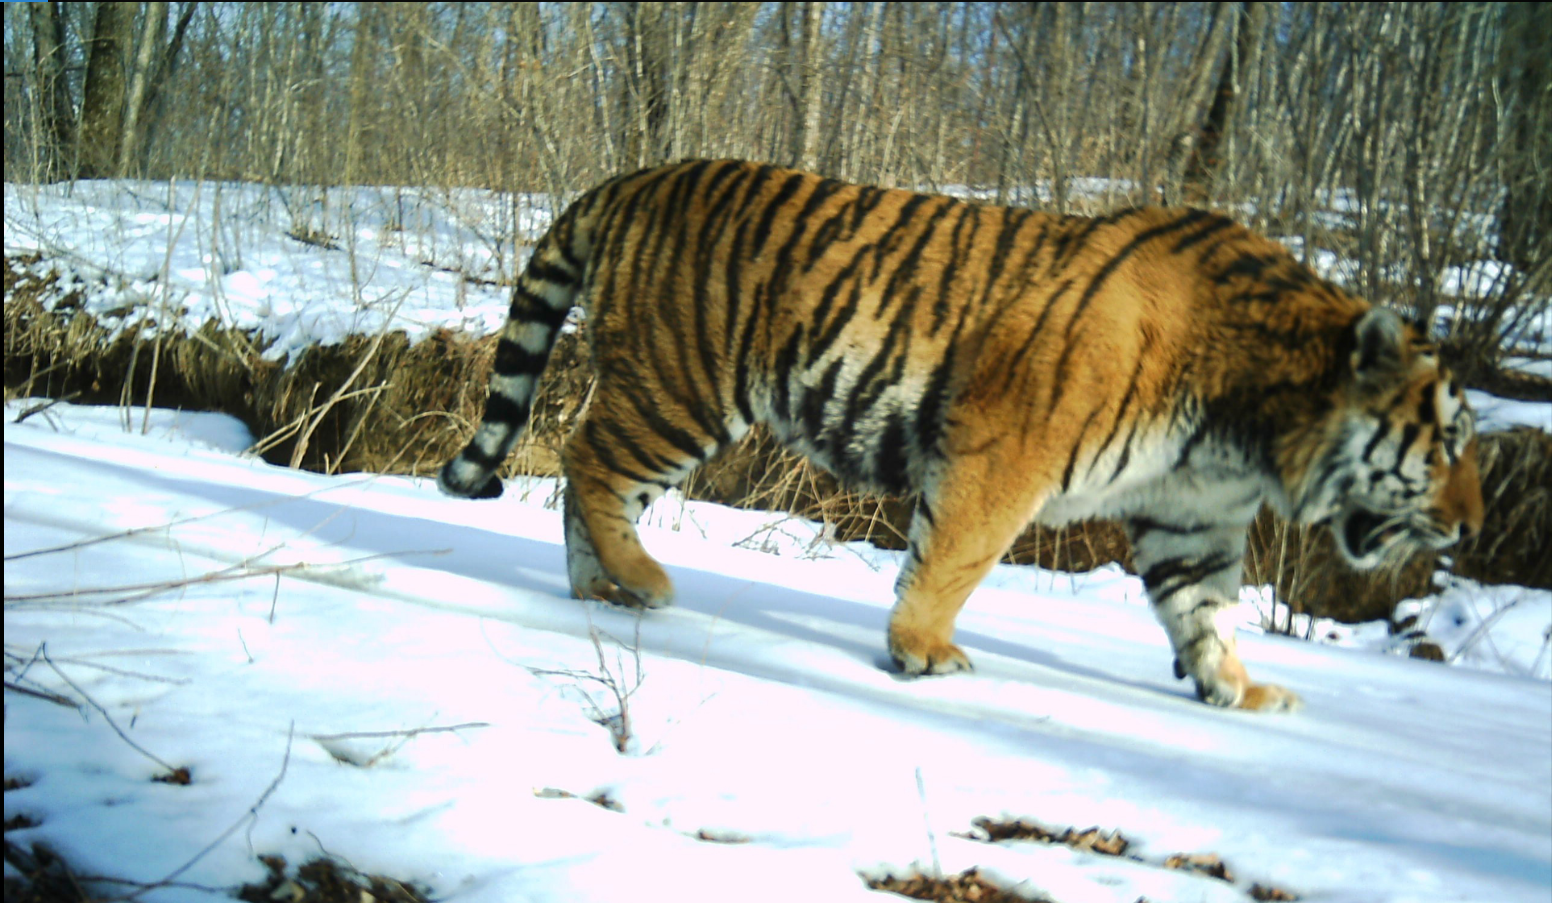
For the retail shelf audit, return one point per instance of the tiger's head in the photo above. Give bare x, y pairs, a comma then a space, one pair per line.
1400, 472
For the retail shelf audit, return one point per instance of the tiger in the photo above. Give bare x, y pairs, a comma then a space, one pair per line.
1167, 368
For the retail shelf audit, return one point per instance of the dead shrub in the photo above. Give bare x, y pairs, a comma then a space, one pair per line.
1517, 524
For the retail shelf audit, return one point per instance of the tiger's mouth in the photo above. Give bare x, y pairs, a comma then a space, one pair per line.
1365, 537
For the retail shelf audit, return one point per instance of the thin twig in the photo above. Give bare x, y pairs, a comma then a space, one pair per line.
222, 575
141, 590
43, 653
125, 672
612, 679
40, 407
369, 735
250, 816
225, 892
42, 694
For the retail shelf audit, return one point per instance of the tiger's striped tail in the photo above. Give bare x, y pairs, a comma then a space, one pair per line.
541, 300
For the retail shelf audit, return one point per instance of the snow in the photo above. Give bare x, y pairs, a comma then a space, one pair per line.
1494, 414
761, 716
188, 253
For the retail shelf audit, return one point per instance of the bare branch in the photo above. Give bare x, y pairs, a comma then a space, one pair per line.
43, 653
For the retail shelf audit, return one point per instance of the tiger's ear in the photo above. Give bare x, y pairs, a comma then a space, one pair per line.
1380, 343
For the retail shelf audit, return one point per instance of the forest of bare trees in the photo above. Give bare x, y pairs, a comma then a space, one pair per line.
1408, 138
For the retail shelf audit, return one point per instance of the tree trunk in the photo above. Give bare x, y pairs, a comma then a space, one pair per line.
102, 100
646, 42
1525, 218
1186, 123
53, 93
146, 53
805, 141
1204, 162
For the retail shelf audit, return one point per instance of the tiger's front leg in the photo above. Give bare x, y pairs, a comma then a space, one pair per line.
959, 531
1192, 574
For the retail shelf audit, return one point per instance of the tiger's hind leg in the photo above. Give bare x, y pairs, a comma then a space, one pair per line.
615, 467
588, 579
1192, 575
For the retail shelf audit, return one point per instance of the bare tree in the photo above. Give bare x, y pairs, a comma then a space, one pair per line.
1250, 31
52, 93
803, 84
101, 131
1525, 85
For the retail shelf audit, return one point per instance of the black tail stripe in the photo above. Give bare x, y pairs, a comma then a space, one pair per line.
543, 271
528, 307
475, 456
506, 411
513, 359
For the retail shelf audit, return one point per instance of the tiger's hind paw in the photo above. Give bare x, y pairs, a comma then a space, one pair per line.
918, 659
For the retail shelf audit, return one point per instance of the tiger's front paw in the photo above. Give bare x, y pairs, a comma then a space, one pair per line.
1270, 698
916, 656
1250, 697
606, 590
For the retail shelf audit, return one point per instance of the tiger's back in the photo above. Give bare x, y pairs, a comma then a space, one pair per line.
1167, 367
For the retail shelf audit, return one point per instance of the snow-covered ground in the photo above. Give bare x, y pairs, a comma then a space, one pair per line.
280, 633
248, 256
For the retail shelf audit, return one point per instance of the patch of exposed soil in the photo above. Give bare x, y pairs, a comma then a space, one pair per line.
325, 881
965, 887
1113, 843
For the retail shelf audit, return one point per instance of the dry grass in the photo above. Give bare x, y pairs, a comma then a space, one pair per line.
1517, 528
382, 405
